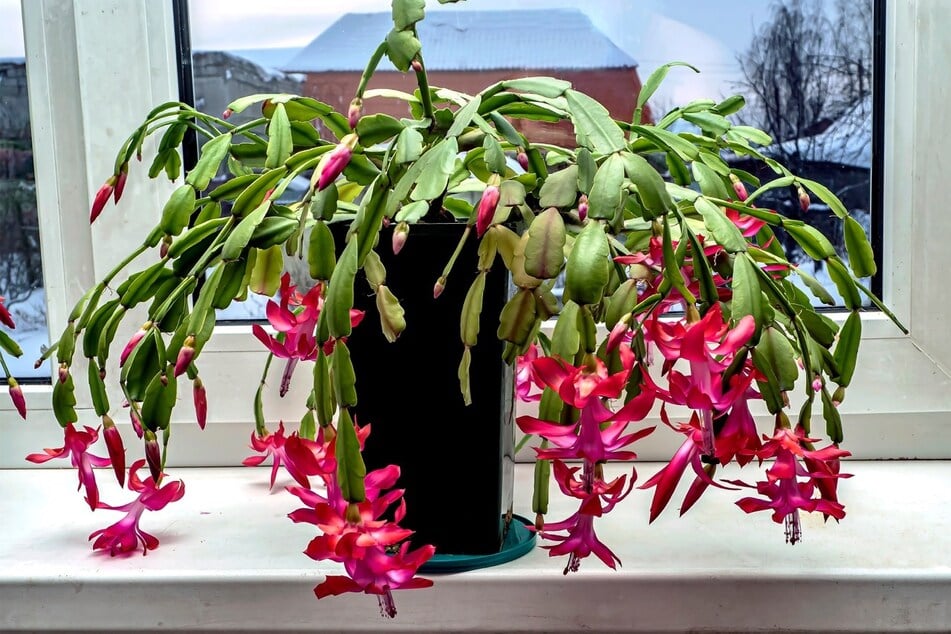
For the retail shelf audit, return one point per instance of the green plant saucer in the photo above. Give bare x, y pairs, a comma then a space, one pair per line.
518, 541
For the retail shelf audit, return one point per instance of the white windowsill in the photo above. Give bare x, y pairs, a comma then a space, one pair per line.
230, 560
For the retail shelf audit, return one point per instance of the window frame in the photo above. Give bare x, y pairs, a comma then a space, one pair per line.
71, 59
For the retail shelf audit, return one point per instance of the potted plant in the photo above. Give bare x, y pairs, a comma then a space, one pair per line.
663, 252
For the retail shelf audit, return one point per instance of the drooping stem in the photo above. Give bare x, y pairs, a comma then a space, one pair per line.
370, 69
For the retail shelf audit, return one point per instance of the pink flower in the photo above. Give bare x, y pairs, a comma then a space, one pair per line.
16, 395
125, 535
738, 187
299, 456
5, 317
579, 541
296, 319
784, 493
738, 437
576, 385
380, 573
185, 355
133, 342
748, 225
334, 162
524, 373
486, 209
75, 446
667, 479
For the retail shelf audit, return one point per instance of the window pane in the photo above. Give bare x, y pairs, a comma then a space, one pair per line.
21, 275
805, 66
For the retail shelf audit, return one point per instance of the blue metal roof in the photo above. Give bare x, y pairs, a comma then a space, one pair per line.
470, 40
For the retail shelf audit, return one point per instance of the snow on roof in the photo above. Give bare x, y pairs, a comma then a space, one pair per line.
847, 141
470, 40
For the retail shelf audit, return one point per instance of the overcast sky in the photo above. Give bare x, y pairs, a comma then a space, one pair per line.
705, 33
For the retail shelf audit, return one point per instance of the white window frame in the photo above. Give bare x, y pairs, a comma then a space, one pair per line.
95, 67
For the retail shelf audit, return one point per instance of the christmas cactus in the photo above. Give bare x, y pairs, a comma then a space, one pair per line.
676, 292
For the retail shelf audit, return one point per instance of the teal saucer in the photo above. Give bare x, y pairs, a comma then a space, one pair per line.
518, 541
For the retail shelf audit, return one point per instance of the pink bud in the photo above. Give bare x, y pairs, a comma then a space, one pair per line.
201, 402
354, 112
439, 287
115, 447
583, 207
400, 234
522, 159
5, 317
417, 65
738, 187
166, 243
227, 113
153, 455
133, 342
817, 384
63, 372
102, 197
185, 355
120, 182
486, 211
617, 333
804, 200
333, 163
136, 423
16, 395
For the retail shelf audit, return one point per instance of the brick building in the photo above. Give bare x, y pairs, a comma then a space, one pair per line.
468, 50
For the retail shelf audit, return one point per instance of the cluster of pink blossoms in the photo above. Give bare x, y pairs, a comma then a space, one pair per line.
707, 369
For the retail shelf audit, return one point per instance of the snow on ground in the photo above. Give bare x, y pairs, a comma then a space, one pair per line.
31, 334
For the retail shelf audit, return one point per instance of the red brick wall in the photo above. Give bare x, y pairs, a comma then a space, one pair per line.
617, 89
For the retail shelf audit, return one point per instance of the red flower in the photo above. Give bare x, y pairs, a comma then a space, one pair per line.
125, 535
102, 197
75, 446
524, 375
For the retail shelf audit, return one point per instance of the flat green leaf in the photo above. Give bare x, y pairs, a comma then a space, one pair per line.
605, 199
812, 241
560, 189
655, 79
544, 86
708, 122
724, 231
406, 13
815, 287
241, 234
494, 156
279, 144
775, 349
650, 185
8, 345
594, 127
432, 182
376, 128
826, 196
412, 212
666, 140
844, 283
747, 296
351, 469
589, 265
401, 48
409, 146
266, 274
545, 248
212, 153
710, 182
754, 135
861, 257
847, 349
463, 117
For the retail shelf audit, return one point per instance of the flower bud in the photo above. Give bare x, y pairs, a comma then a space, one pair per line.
133, 342
333, 163
201, 401
838, 396
227, 113
439, 287
399, 237
102, 197
354, 112
417, 65
486, 210
16, 395
522, 159
153, 455
136, 423
115, 447
120, 182
185, 355
738, 187
63, 372
166, 243
804, 200
816, 383
583, 207
5, 317
617, 333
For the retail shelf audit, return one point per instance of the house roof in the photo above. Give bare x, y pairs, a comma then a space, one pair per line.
470, 40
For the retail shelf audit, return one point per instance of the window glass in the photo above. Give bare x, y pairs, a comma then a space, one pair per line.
21, 274
806, 66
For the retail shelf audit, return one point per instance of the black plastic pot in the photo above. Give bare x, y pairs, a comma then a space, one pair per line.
456, 461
